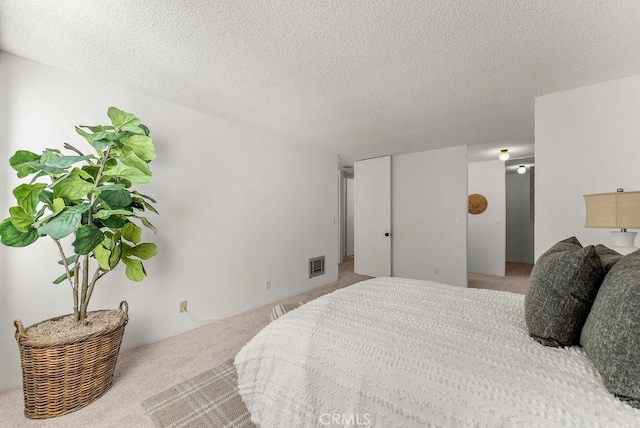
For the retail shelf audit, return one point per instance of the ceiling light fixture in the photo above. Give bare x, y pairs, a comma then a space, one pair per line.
504, 155
522, 169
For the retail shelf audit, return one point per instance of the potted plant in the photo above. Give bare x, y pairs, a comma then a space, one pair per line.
88, 199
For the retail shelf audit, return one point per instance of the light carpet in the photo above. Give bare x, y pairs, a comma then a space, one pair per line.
210, 399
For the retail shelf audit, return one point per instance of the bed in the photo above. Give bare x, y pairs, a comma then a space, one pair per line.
391, 352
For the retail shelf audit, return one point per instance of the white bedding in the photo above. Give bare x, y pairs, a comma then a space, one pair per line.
392, 352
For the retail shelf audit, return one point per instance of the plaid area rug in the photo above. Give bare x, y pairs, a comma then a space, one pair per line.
210, 399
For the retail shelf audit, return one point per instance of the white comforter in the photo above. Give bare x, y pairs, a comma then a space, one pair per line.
392, 352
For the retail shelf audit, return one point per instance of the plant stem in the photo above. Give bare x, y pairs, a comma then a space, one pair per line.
85, 292
64, 261
76, 309
85, 286
96, 277
71, 281
97, 183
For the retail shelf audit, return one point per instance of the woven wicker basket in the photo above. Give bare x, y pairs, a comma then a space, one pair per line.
63, 376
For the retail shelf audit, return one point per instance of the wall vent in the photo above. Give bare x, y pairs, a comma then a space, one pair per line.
316, 266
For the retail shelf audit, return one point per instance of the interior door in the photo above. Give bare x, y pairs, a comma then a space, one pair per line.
373, 217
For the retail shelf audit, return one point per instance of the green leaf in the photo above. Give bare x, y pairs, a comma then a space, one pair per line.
57, 205
49, 154
114, 222
81, 208
87, 136
92, 170
129, 158
87, 238
148, 224
141, 204
62, 224
144, 251
98, 145
115, 256
135, 269
109, 186
102, 214
48, 162
70, 260
27, 196
105, 138
40, 213
141, 145
65, 161
122, 120
145, 129
39, 166
147, 197
20, 162
132, 233
12, 237
21, 219
128, 173
116, 198
106, 135
98, 128
102, 255
56, 180
74, 187
46, 196
63, 277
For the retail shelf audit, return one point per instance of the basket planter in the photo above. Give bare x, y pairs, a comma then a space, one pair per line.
63, 376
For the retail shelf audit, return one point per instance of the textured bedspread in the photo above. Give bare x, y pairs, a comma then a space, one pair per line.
392, 352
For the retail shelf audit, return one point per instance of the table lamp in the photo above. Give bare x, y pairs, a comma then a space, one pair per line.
618, 210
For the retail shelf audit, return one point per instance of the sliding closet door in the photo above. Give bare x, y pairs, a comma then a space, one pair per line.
373, 217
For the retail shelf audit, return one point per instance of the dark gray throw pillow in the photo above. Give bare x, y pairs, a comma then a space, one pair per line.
611, 335
563, 285
608, 257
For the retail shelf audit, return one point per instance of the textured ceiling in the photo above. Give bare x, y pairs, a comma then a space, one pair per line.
359, 78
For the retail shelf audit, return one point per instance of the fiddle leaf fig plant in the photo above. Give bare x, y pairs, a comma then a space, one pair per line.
89, 200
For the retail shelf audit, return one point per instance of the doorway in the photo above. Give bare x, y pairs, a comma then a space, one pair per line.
349, 224
520, 191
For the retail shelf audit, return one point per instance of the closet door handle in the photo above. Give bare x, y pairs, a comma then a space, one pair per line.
387, 234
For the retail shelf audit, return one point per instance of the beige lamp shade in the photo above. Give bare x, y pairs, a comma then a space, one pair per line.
619, 210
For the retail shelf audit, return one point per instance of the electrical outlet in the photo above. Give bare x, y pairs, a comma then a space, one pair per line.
267, 285
437, 271
183, 306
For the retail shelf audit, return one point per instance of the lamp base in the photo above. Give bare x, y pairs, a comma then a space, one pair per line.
623, 242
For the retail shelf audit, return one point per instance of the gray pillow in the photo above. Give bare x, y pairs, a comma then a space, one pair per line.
608, 257
611, 335
563, 285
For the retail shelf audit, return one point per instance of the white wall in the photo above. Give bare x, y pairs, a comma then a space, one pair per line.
519, 225
587, 141
487, 232
238, 206
8, 348
429, 192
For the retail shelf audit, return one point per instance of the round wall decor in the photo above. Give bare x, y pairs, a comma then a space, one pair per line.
477, 203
